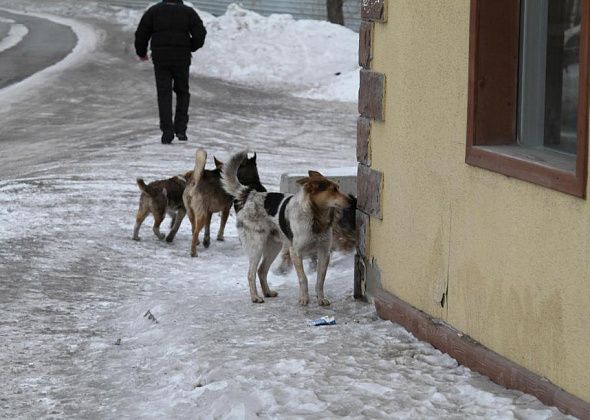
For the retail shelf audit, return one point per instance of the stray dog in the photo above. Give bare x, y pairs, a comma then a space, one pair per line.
160, 198
343, 236
207, 196
302, 221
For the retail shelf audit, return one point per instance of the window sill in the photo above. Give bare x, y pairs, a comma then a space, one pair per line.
541, 166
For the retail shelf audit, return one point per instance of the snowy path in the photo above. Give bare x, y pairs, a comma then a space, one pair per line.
74, 289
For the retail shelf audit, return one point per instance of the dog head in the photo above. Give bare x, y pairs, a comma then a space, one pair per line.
248, 174
323, 192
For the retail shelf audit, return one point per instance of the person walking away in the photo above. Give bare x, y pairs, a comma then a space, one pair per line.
175, 31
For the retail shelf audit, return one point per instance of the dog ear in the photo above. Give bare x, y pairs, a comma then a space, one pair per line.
303, 181
315, 174
218, 163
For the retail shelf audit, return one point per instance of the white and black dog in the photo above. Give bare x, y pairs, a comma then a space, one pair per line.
302, 221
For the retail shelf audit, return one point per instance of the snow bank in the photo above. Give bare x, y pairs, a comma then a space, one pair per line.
15, 35
309, 58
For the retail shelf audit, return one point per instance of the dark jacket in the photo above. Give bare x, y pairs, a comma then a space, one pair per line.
175, 30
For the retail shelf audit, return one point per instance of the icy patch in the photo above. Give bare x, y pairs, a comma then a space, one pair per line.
15, 35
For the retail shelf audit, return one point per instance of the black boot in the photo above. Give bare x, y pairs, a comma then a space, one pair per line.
167, 137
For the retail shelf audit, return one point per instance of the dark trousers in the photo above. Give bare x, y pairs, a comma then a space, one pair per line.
172, 77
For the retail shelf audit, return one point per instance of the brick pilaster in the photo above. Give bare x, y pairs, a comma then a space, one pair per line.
371, 107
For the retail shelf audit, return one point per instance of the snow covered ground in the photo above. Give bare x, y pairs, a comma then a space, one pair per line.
76, 337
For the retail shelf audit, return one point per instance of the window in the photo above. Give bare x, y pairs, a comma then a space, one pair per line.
528, 90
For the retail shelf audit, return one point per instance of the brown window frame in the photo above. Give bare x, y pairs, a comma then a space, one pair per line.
492, 113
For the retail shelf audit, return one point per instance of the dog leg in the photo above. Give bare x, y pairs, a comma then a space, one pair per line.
177, 222
191, 218
207, 236
194, 240
285, 265
224, 216
255, 256
298, 264
158, 219
323, 260
271, 250
196, 230
139, 218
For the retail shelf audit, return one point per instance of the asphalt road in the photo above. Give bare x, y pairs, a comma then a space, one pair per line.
46, 44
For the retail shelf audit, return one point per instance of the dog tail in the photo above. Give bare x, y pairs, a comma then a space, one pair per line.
200, 160
146, 188
229, 175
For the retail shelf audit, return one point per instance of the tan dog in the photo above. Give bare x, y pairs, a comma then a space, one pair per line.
206, 197
302, 221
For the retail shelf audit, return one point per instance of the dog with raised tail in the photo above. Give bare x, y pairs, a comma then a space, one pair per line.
207, 196
303, 222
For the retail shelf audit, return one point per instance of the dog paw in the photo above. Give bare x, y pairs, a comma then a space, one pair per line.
206, 242
323, 302
161, 236
169, 239
194, 254
136, 238
304, 301
220, 238
257, 299
271, 293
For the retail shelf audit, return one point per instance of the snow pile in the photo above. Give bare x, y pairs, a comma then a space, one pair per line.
310, 58
15, 34
318, 58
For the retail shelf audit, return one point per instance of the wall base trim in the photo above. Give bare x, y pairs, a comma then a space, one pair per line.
475, 356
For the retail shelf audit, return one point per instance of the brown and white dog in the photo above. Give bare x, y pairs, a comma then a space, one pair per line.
302, 221
207, 196
343, 236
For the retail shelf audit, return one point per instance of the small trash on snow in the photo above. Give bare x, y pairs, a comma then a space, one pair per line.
325, 320
150, 316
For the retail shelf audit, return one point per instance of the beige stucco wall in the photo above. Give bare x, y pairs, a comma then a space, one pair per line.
513, 255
